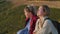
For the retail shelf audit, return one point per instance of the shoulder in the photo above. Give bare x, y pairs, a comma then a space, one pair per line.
37, 21
48, 22
34, 18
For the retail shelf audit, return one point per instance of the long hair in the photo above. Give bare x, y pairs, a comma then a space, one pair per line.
31, 9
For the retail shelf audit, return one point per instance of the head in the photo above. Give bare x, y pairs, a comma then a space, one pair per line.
43, 10
29, 10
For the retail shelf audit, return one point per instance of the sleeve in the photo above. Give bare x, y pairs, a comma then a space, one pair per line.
52, 27
45, 28
36, 26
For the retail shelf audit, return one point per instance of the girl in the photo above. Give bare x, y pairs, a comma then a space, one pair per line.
44, 26
30, 20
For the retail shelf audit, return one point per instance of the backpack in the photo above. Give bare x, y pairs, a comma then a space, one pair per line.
56, 24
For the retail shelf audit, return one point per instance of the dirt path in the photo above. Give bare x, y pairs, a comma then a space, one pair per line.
17, 2
55, 4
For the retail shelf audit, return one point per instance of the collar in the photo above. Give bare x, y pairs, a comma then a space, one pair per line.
43, 18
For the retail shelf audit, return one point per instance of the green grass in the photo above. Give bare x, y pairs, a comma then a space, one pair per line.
13, 20
55, 14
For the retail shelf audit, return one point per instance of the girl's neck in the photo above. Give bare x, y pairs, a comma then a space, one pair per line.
41, 17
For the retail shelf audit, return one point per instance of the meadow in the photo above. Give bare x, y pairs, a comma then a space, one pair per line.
13, 19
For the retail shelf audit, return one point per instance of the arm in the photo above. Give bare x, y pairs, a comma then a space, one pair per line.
45, 29
53, 29
48, 27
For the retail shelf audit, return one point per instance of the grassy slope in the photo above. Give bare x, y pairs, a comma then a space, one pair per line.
18, 21
55, 14
13, 20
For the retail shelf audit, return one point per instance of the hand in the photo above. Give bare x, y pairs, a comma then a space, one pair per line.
34, 33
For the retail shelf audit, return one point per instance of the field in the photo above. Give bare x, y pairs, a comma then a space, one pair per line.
13, 19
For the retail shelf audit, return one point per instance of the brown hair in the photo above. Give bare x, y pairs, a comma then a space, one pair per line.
31, 9
46, 9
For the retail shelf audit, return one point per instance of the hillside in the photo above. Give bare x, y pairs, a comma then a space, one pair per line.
13, 19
